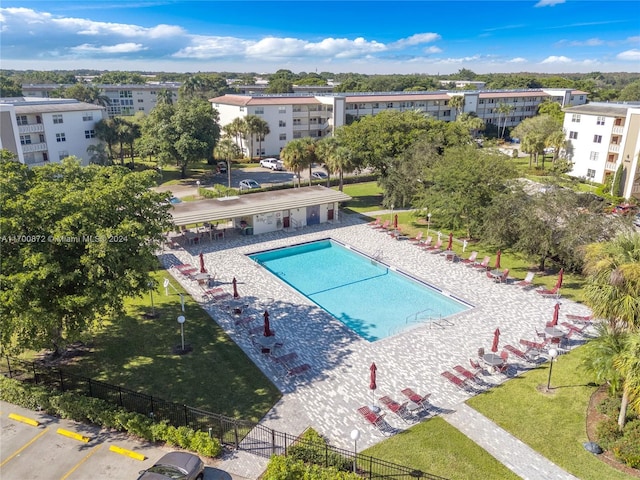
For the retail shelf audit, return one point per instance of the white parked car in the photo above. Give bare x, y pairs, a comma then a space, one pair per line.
272, 163
319, 175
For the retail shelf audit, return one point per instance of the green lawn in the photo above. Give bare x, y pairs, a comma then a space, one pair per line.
436, 447
136, 353
366, 197
554, 425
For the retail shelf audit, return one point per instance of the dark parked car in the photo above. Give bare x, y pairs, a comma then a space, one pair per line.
319, 175
175, 466
222, 167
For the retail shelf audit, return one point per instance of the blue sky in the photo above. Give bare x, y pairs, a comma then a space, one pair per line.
551, 36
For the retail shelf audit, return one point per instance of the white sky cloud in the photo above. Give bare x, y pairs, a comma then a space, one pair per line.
632, 55
119, 48
518, 60
417, 39
557, 59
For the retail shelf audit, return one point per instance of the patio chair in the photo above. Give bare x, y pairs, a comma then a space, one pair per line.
298, 370
527, 282
435, 247
534, 347
580, 318
575, 330
375, 223
374, 419
458, 382
481, 352
502, 278
482, 265
399, 409
426, 242
384, 226
471, 259
284, 360
421, 400
504, 367
476, 366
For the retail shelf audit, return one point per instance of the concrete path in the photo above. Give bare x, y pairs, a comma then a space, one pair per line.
328, 396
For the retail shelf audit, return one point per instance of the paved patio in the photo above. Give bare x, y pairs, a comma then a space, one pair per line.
327, 397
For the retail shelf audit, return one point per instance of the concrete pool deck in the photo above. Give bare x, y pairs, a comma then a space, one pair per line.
327, 397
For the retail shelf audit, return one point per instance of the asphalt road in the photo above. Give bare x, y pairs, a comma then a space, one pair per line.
42, 452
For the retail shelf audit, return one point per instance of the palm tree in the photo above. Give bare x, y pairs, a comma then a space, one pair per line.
504, 109
235, 129
471, 122
262, 130
457, 102
251, 127
336, 158
628, 364
613, 280
226, 149
310, 156
191, 86
165, 96
293, 155
557, 141
107, 132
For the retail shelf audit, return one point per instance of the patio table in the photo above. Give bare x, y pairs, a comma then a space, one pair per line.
492, 359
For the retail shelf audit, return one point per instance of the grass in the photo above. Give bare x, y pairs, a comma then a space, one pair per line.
552, 424
366, 197
436, 447
136, 353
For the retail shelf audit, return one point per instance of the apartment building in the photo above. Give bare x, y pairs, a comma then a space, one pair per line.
601, 137
41, 130
124, 100
295, 116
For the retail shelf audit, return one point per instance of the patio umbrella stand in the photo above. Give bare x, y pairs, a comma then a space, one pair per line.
372, 386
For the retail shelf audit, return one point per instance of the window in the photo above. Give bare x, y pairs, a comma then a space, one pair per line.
597, 139
446, 113
591, 173
57, 118
600, 121
593, 156
60, 137
25, 139
573, 135
241, 109
283, 136
259, 111
390, 105
125, 94
140, 100
45, 157
481, 101
297, 121
22, 120
575, 118
297, 134
282, 123
297, 108
62, 155
282, 109
375, 105
41, 138
89, 134
87, 117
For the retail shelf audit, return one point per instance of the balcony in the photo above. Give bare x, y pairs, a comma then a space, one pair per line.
617, 130
33, 128
615, 148
611, 166
302, 127
34, 147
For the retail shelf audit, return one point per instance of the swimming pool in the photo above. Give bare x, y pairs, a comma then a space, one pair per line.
366, 295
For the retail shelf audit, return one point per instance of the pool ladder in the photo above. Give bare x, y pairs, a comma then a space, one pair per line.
377, 255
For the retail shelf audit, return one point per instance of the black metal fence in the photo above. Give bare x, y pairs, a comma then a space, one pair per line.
231, 432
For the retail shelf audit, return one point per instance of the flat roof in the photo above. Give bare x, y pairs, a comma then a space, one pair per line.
211, 210
604, 109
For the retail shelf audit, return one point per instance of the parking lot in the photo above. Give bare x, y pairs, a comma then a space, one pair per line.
62, 449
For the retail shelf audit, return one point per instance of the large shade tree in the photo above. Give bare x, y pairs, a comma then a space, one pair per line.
79, 240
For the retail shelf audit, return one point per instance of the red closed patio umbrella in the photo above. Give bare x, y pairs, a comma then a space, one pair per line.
267, 328
395, 221
556, 313
202, 267
450, 244
498, 255
496, 339
559, 281
372, 382
235, 288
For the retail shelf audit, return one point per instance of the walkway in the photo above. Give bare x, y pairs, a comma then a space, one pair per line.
327, 397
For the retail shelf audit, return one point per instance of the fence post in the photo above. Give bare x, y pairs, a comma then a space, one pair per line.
120, 396
186, 416
235, 433
35, 375
9, 367
90, 388
61, 380
273, 441
326, 455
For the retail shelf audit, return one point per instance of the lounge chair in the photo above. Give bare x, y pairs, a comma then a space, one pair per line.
458, 382
375, 223
285, 360
383, 226
426, 243
417, 238
580, 318
504, 367
502, 278
576, 330
516, 352
534, 347
298, 370
471, 259
527, 282
421, 400
434, 248
470, 375
549, 292
399, 409
483, 265
377, 420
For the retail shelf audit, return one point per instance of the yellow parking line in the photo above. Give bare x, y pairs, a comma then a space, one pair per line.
17, 452
77, 465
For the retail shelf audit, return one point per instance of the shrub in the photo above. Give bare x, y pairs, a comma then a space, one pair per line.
287, 468
607, 433
610, 406
87, 409
312, 448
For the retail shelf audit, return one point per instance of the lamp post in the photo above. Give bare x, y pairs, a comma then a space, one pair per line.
553, 353
355, 435
392, 205
428, 222
198, 187
181, 321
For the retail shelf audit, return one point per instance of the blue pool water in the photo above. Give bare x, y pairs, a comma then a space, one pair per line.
368, 297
